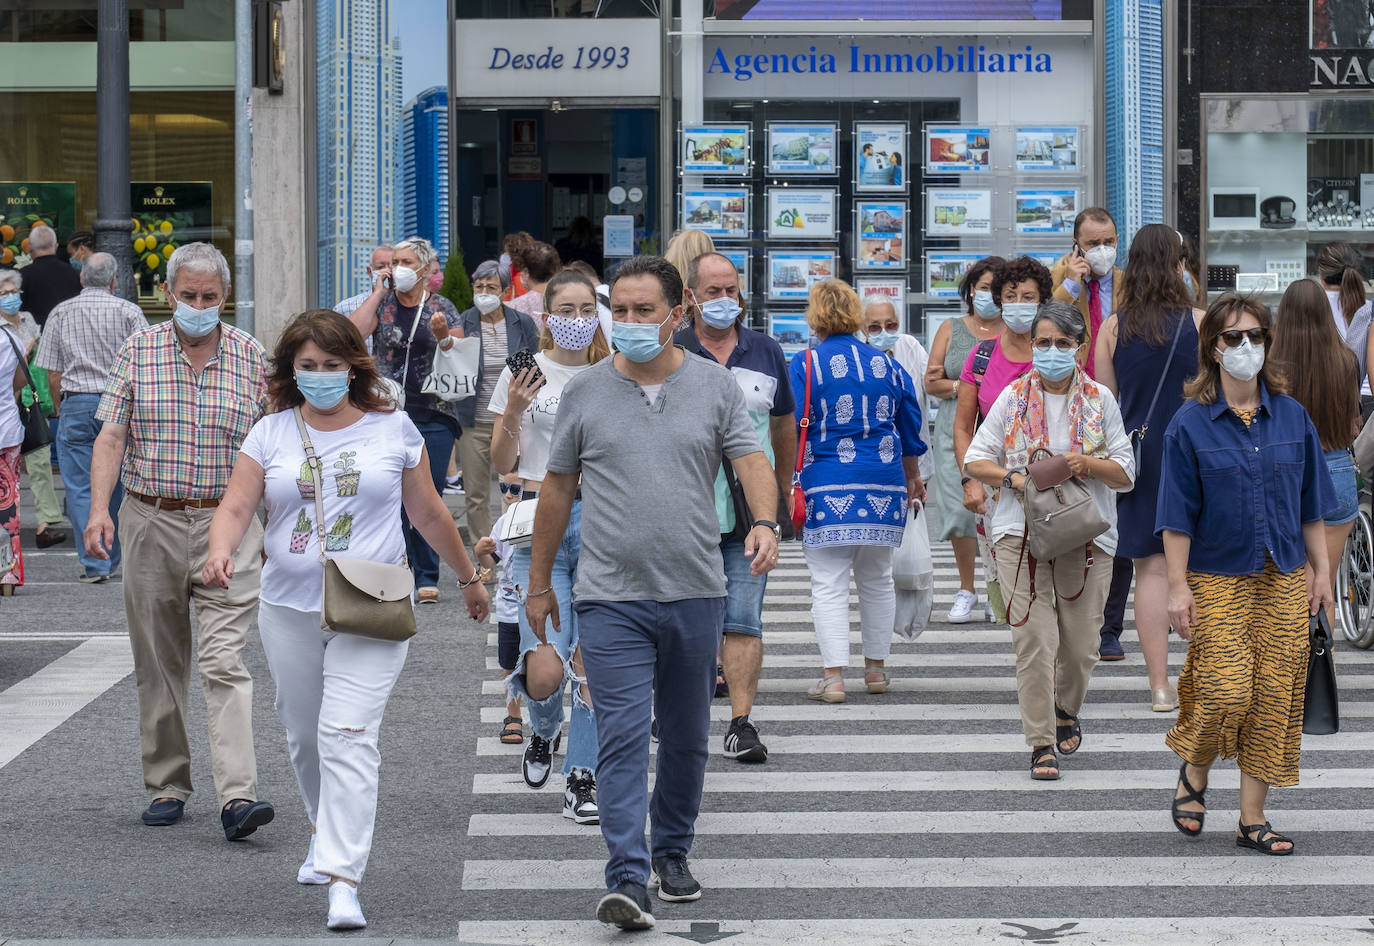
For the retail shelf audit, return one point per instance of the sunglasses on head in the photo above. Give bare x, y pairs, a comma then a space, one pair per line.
511, 489
1234, 337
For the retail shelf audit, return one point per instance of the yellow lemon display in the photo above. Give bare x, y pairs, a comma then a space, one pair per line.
138, 227
139, 245
150, 242
152, 260
167, 249
165, 227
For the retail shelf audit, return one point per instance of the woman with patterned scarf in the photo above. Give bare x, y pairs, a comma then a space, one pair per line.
1055, 607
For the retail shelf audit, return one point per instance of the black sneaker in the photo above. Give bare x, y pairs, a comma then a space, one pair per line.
627, 906
722, 688
538, 762
579, 798
742, 742
675, 882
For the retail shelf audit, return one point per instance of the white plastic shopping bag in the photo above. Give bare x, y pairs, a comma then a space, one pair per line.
912, 568
453, 376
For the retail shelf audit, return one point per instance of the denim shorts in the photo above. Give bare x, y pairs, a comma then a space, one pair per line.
744, 592
1342, 468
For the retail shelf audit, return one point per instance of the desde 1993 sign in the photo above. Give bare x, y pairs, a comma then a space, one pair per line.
563, 58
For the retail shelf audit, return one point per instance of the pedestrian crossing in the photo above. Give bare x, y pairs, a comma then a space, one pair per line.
910, 817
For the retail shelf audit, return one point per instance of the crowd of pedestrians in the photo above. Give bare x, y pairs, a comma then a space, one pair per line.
1204, 454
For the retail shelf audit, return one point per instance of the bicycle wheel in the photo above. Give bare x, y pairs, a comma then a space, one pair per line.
1355, 583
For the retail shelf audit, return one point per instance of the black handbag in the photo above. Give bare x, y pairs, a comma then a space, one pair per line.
1321, 712
37, 434
744, 519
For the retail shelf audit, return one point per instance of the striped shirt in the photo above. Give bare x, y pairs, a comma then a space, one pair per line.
350, 305
83, 336
184, 430
495, 347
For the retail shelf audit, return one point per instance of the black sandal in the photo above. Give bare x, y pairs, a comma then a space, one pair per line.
1043, 758
1191, 794
1063, 733
512, 731
1262, 838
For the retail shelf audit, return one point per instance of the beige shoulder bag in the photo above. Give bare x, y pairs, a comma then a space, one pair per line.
369, 599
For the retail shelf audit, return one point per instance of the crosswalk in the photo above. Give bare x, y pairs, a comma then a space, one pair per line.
910, 817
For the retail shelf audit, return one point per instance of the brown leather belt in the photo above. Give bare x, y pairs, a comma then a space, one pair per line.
172, 505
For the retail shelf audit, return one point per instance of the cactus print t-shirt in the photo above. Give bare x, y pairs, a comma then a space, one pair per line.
362, 466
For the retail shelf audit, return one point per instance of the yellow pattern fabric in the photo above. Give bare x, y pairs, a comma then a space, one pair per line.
1241, 691
1247, 415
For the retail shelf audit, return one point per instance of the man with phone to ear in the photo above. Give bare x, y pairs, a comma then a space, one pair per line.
1087, 276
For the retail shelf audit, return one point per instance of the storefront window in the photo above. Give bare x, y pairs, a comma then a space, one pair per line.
543, 9
173, 21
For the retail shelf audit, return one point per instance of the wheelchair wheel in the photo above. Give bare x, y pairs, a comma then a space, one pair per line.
1355, 582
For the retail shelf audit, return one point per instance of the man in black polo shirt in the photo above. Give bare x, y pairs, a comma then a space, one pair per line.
47, 280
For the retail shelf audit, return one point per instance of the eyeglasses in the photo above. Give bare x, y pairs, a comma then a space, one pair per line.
575, 312
511, 489
1235, 336
876, 329
1045, 344
492, 287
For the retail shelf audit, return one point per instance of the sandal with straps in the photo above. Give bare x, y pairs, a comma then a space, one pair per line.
1262, 838
828, 690
512, 731
1063, 733
1044, 758
1190, 794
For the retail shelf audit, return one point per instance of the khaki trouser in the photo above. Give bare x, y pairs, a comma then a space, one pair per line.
164, 553
474, 455
39, 467
1056, 647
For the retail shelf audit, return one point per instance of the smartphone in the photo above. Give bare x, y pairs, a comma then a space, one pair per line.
387, 283
521, 360
1077, 250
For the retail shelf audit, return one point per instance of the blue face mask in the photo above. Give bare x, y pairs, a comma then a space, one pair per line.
1019, 316
720, 312
77, 264
323, 389
985, 305
884, 341
1053, 365
196, 323
638, 341
11, 304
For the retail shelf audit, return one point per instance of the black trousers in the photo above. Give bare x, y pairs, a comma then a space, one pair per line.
1115, 611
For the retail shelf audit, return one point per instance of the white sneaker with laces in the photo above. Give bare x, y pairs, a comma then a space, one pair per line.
962, 608
987, 611
345, 913
307, 874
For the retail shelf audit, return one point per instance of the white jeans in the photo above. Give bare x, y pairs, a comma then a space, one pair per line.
830, 569
331, 692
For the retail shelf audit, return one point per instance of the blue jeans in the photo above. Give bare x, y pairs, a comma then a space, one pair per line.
75, 440
1342, 469
647, 658
546, 715
744, 592
440, 435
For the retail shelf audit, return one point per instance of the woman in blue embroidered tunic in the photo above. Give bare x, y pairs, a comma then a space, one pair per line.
859, 474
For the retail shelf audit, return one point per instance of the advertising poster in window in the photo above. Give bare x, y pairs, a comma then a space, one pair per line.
934, 319
880, 154
741, 260
792, 274
1046, 211
27, 204
957, 148
1047, 149
720, 212
789, 329
166, 215
716, 149
802, 213
954, 212
880, 234
1047, 260
892, 289
944, 272
802, 149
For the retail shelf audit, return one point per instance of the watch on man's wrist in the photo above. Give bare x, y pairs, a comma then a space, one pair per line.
1006, 480
768, 524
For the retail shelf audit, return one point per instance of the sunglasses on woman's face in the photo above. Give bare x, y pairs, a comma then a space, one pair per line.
1234, 337
1063, 344
511, 489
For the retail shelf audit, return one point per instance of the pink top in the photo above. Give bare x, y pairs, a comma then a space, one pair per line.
1000, 373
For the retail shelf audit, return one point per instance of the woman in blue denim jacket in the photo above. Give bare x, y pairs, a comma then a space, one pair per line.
1245, 488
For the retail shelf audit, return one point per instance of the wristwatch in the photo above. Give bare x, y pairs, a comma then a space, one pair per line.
777, 529
1006, 480
966, 480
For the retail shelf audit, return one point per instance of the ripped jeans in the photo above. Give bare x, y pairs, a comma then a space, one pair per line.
331, 692
546, 715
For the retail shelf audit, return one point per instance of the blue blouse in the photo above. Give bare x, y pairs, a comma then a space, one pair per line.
865, 416
1241, 492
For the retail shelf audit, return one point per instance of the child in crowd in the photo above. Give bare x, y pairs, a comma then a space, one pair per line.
490, 552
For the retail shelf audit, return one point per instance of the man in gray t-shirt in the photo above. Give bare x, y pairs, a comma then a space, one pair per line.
646, 430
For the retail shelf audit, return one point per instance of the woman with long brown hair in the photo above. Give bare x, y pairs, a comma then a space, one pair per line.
1340, 267
371, 463
1240, 511
1323, 376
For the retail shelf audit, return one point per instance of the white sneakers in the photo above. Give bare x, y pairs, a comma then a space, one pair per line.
345, 913
307, 874
962, 609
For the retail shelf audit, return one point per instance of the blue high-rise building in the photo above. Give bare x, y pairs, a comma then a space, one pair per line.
424, 168
1135, 114
358, 97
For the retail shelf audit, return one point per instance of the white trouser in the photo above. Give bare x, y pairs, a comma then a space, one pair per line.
830, 569
331, 692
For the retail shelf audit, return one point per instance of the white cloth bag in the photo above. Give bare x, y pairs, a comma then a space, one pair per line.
453, 376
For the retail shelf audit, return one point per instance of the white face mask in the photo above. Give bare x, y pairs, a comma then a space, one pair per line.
486, 302
1101, 259
405, 278
1244, 361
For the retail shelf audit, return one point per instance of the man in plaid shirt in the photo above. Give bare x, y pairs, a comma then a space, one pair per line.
178, 403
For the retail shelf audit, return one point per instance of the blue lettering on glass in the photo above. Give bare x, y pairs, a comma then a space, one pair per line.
964, 59
588, 57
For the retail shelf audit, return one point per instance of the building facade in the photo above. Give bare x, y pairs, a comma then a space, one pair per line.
1134, 55
424, 168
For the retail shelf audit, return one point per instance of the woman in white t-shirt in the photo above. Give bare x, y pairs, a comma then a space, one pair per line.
372, 461
572, 342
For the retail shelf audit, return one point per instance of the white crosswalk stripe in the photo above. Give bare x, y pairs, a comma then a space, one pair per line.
910, 816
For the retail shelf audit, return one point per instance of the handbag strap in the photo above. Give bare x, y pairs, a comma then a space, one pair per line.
805, 421
316, 476
1164, 375
23, 362
405, 365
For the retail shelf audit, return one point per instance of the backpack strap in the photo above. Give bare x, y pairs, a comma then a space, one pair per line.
982, 355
